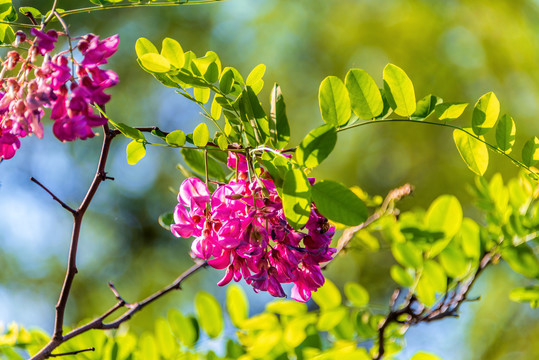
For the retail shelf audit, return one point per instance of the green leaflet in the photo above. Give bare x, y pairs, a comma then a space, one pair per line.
505, 133
365, 97
176, 138
401, 276
338, 203
182, 328
445, 215
399, 90
530, 152
425, 107
407, 254
135, 152
316, 146
201, 135
173, 52
209, 314
237, 305
450, 111
328, 296
255, 75
155, 63
485, 113
334, 101
296, 198
473, 152
278, 121
356, 294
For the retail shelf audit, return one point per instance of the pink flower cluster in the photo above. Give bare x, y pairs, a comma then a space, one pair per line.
242, 227
69, 95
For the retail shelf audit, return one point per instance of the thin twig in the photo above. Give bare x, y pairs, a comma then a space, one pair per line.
347, 235
72, 352
64, 205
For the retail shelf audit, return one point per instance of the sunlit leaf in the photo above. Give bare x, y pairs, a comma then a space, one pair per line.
425, 107
209, 314
485, 113
296, 198
286, 307
407, 254
450, 111
155, 62
505, 133
135, 152
365, 97
176, 138
255, 75
473, 152
182, 328
201, 135
173, 52
334, 101
445, 215
399, 90
356, 294
401, 276
328, 296
316, 146
237, 304
338, 203
530, 152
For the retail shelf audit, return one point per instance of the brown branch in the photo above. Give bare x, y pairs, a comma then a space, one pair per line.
447, 307
64, 205
72, 352
78, 215
99, 322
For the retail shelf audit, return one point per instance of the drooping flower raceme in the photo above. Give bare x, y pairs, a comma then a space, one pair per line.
242, 228
69, 95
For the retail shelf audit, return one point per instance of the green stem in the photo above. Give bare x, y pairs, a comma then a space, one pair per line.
134, 5
490, 146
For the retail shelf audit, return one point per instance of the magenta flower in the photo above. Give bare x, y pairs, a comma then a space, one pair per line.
96, 52
241, 227
9, 144
45, 41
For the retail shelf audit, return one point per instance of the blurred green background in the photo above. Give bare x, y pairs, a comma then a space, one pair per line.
457, 50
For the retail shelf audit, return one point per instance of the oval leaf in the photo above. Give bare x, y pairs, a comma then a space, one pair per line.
399, 90
473, 152
407, 254
401, 276
505, 133
144, 46
334, 101
338, 203
328, 296
237, 305
316, 146
209, 314
135, 152
176, 138
201, 135
173, 52
365, 97
425, 107
155, 63
444, 215
256, 74
530, 152
485, 113
356, 293
450, 111
279, 128
296, 198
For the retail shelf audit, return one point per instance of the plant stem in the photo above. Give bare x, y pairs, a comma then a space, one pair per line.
132, 5
479, 138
